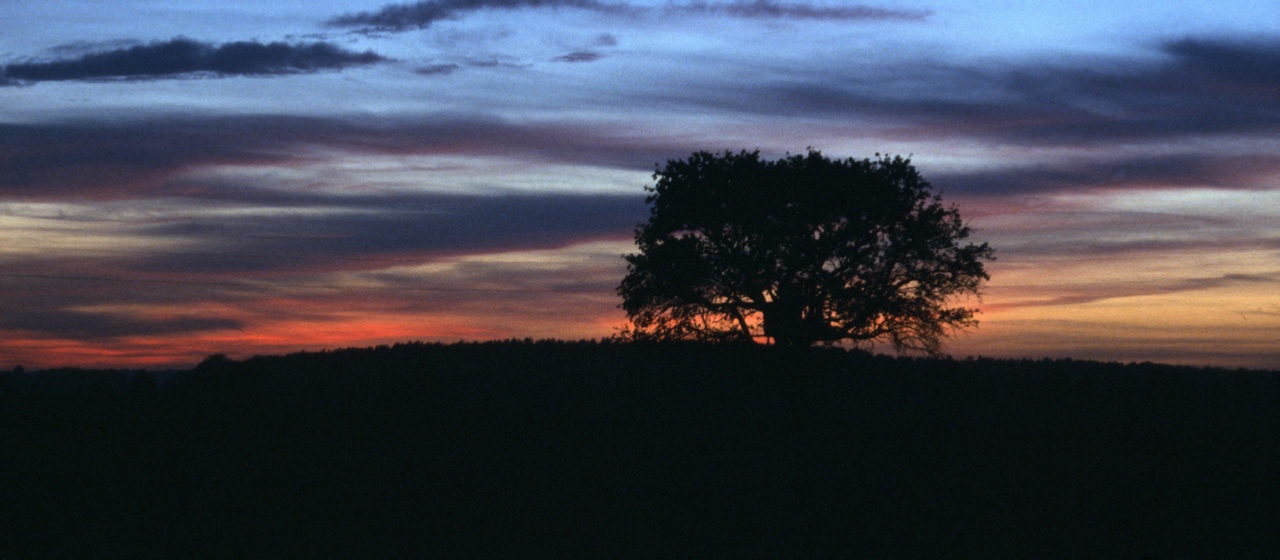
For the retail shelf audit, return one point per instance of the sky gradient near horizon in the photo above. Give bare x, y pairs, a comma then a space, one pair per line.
179, 179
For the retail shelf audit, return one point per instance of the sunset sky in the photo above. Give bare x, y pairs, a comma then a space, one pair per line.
184, 178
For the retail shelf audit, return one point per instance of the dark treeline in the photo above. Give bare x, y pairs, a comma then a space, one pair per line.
608, 450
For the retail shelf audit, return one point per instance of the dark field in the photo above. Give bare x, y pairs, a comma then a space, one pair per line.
520, 450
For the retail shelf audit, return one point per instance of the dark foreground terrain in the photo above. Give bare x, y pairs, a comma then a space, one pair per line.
562, 450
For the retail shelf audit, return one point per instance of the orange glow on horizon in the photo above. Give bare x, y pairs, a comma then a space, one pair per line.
1207, 307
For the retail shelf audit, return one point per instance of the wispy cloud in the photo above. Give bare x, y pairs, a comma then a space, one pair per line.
1200, 86
579, 56
120, 160
213, 262
1188, 169
315, 233
591, 53
1189, 88
436, 69
81, 325
1095, 293
769, 9
185, 57
420, 15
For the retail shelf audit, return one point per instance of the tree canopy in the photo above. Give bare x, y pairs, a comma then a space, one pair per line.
799, 251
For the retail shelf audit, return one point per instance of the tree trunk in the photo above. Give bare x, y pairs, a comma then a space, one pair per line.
784, 323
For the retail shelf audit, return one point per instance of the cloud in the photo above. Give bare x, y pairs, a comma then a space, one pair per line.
185, 57
496, 62
1186, 88
156, 157
574, 285
1188, 169
605, 40
1236, 64
580, 56
1199, 87
213, 256
81, 325
222, 263
317, 232
81, 48
1095, 293
108, 160
421, 15
120, 160
436, 69
769, 9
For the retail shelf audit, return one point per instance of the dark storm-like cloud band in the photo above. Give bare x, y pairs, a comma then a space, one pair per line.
184, 57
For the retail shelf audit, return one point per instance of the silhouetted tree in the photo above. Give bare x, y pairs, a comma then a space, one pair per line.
802, 250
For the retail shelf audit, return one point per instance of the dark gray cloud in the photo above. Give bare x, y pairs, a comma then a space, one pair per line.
95, 326
420, 15
580, 56
114, 160
569, 292
121, 160
1192, 88
96, 297
1200, 87
184, 57
436, 69
768, 9
330, 232
256, 248
1155, 287
1234, 64
1166, 170
590, 54
1147, 235
81, 48
496, 62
